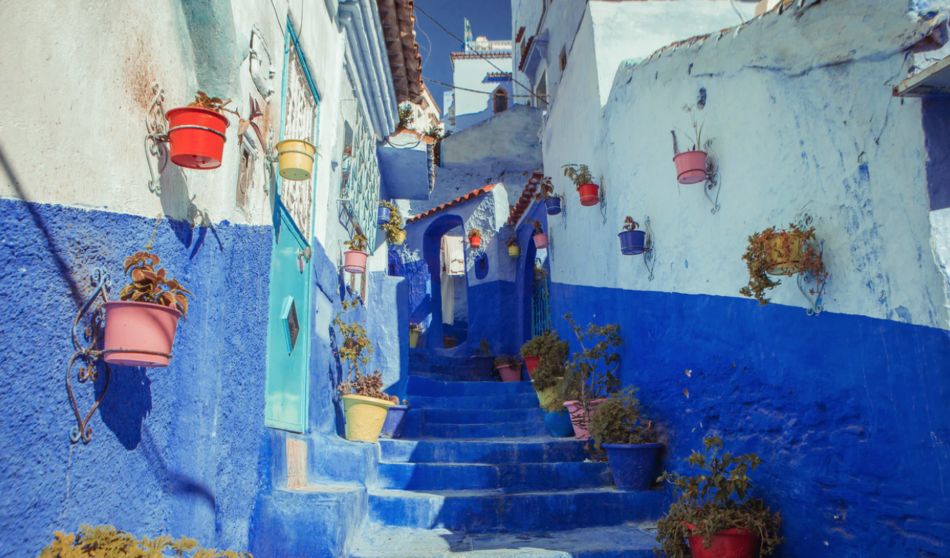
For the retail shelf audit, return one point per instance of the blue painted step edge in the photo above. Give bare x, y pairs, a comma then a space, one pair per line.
501, 450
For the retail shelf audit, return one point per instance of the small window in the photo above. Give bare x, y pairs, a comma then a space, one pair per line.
541, 90
500, 99
563, 58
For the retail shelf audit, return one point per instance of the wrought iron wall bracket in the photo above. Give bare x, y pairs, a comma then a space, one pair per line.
813, 295
156, 138
88, 354
712, 184
602, 202
649, 248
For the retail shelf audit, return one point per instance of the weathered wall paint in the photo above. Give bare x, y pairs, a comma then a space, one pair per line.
469, 73
478, 146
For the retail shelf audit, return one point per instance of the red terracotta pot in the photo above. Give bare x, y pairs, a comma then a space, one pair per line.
509, 373
139, 326
574, 410
355, 261
588, 194
532, 363
541, 241
730, 543
196, 137
476, 241
690, 167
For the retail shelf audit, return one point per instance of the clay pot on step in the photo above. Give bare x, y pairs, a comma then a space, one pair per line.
729, 543
578, 420
364, 417
509, 373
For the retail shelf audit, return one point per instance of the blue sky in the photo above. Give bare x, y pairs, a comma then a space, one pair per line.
490, 18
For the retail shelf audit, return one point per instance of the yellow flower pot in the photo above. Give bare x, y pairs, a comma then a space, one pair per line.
413, 338
514, 251
364, 417
400, 237
786, 254
545, 396
295, 158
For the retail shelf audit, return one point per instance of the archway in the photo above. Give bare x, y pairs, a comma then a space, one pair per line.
443, 250
533, 287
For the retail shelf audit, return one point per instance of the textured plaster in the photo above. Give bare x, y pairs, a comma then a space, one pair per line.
478, 146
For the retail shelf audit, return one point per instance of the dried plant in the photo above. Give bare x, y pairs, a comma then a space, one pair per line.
552, 353
474, 233
357, 243
104, 541
511, 241
579, 174
151, 285
630, 225
355, 352
538, 228
545, 190
620, 420
773, 248
395, 225
715, 500
483, 348
506, 360
202, 100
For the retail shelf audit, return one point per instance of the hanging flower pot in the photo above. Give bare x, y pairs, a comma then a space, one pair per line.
514, 251
541, 241
734, 543
558, 424
399, 237
553, 205
589, 194
690, 167
632, 242
578, 420
139, 326
382, 216
476, 241
355, 261
785, 254
395, 421
414, 337
364, 417
295, 159
196, 137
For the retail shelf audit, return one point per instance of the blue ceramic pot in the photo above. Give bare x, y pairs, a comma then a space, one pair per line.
553, 205
484, 365
632, 242
395, 420
382, 216
559, 424
633, 465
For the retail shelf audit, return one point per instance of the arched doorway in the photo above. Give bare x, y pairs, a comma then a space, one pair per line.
444, 252
534, 278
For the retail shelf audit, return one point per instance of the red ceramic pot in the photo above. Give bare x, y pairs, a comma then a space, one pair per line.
476, 241
588, 194
730, 543
531, 362
196, 137
690, 167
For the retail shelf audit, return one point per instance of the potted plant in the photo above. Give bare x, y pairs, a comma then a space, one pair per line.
715, 512
781, 252
513, 250
630, 439
691, 165
104, 541
355, 257
540, 237
295, 159
475, 238
382, 214
632, 241
140, 327
545, 194
395, 420
415, 330
196, 133
364, 404
395, 234
545, 356
508, 367
584, 181
449, 341
583, 388
482, 361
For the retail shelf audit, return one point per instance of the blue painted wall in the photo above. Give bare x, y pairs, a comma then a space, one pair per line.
849, 413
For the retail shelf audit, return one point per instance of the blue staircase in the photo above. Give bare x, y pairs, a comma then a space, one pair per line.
476, 474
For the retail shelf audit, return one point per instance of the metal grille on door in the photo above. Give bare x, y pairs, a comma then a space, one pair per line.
300, 120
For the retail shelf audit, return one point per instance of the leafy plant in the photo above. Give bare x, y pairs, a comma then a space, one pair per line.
511, 241
538, 228
149, 285
582, 382
552, 352
405, 116
620, 420
474, 233
355, 352
505, 360
629, 224
203, 101
697, 137
415, 327
545, 190
716, 499
357, 243
395, 225
579, 174
770, 250
483, 348
104, 541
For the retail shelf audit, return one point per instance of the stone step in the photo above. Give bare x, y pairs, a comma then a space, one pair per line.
479, 416
492, 430
432, 388
491, 450
499, 402
510, 478
629, 540
452, 377
492, 511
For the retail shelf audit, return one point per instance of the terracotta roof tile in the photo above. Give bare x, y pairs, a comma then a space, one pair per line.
404, 60
524, 202
469, 196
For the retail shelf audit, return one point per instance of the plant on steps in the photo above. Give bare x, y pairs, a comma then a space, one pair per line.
715, 511
483, 361
583, 388
365, 404
545, 355
104, 541
781, 252
584, 182
415, 330
355, 257
395, 233
630, 440
508, 367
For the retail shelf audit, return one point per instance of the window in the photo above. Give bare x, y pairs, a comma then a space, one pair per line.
563, 58
500, 100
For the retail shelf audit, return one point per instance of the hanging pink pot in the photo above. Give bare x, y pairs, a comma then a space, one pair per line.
574, 409
588, 193
139, 326
541, 241
690, 167
509, 373
355, 261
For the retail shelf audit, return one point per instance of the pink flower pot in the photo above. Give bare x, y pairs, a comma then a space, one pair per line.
139, 326
588, 193
690, 167
509, 373
573, 409
541, 241
355, 261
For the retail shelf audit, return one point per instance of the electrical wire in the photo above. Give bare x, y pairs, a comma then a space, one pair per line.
736, 8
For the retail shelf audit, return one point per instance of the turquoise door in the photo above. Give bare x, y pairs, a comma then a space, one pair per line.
288, 321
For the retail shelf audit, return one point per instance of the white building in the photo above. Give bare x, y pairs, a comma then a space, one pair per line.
481, 74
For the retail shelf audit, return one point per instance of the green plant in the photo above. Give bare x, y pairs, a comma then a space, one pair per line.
405, 116
552, 352
620, 420
579, 174
151, 285
395, 225
545, 190
505, 360
355, 352
716, 499
104, 541
357, 243
697, 137
772, 249
629, 224
582, 382
483, 348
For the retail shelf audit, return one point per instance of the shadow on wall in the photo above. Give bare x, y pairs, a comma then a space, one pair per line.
128, 404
